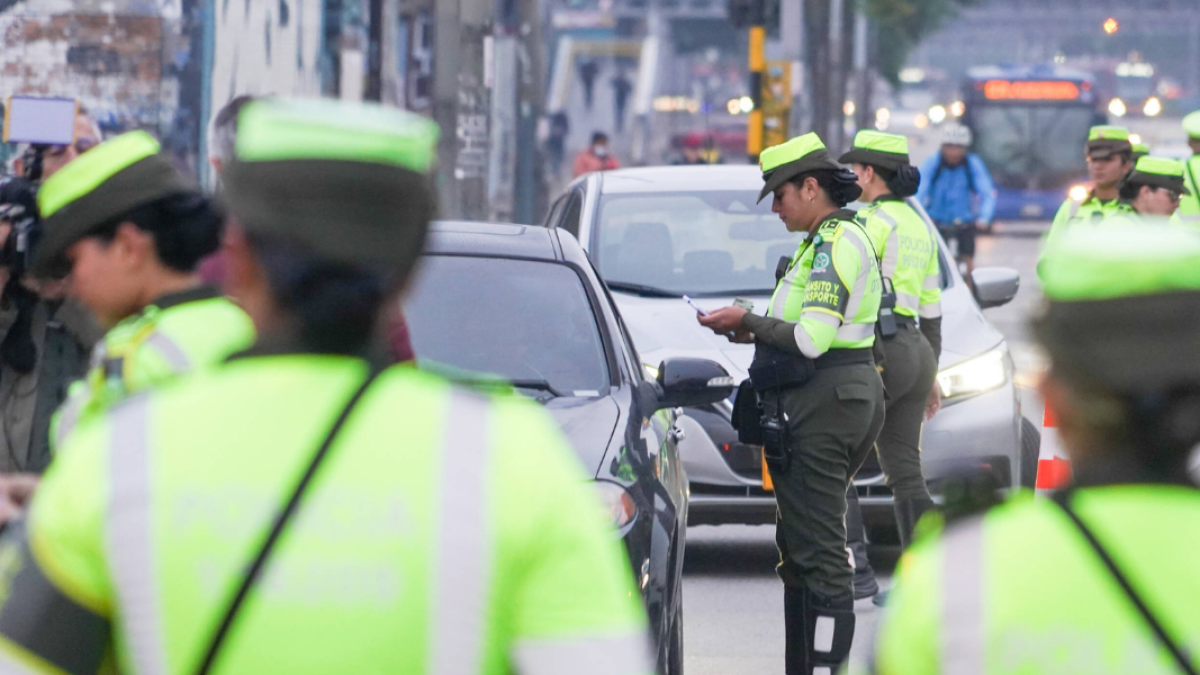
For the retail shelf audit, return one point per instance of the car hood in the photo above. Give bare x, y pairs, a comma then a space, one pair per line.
664, 328
589, 424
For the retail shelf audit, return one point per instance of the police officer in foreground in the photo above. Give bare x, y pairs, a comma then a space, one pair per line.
1085, 582
821, 396
130, 231
912, 291
1153, 188
375, 520
1109, 160
1189, 208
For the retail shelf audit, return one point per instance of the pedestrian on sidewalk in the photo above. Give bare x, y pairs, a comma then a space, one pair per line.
596, 157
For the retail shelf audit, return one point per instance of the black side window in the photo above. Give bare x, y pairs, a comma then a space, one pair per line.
556, 211
574, 211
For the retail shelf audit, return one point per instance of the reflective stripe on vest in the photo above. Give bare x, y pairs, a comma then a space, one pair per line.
787, 283
458, 627
170, 351
68, 417
130, 545
962, 599
931, 311
463, 567
616, 655
867, 263
908, 301
891, 255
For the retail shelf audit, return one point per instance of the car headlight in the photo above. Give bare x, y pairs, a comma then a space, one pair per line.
1153, 107
976, 376
1116, 108
618, 504
1078, 193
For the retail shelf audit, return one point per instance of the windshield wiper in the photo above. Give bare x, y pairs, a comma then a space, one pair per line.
648, 291
537, 385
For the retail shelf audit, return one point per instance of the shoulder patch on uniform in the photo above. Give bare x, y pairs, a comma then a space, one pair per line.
820, 262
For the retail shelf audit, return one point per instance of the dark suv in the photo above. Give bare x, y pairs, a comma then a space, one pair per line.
524, 305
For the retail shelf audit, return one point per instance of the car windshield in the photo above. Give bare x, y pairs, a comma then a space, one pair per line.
1033, 147
695, 243
524, 321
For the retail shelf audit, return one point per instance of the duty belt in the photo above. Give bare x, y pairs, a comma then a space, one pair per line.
774, 369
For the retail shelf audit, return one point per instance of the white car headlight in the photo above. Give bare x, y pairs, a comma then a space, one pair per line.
976, 376
618, 504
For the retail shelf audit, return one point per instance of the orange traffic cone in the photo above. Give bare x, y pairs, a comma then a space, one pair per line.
1054, 468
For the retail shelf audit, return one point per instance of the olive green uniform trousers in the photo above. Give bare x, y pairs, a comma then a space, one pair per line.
833, 421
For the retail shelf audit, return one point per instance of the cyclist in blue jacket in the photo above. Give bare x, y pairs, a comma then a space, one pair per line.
958, 193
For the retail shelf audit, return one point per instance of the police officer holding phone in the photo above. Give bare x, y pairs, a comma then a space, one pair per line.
816, 395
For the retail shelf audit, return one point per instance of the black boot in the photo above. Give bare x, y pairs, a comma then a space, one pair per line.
864, 577
829, 631
795, 647
908, 513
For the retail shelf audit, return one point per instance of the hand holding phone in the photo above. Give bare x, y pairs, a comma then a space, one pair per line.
694, 306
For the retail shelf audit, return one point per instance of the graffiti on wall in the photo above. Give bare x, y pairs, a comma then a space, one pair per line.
265, 47
109, 55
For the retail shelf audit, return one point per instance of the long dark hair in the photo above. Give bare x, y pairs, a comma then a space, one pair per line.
185, 228
335, 305
840, 185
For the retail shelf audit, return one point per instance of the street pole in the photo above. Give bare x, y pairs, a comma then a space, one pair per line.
529, 158
461, 105
374, 90
758, 65
836, 93
863, 113
791, 32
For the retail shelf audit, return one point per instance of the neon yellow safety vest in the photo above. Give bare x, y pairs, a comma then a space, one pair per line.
1072, 212
446, 532
1019, 590
185, 332
909, 251
1189, 205
832, 288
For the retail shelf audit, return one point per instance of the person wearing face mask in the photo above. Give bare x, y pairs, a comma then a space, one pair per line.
821, 396
911, 273
130, 230
597, 156
1154, 188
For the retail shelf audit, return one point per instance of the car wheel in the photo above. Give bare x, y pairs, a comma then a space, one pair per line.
1031, 442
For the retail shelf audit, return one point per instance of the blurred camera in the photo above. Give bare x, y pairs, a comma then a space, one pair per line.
18, 207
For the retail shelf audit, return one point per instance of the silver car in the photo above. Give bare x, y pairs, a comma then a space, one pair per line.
658, 234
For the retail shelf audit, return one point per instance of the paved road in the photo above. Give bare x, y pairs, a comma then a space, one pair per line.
733, 602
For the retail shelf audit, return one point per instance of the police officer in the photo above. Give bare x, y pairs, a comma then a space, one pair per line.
130, 230
1153, 188
1109, 159
1046, 586
912, 288
821, 395
1189, 208
378, 520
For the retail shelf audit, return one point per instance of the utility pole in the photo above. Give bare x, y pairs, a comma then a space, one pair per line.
791, 33
836, 93
332, 34
461, 105
864, 114
530, 178
375, 34
758, 65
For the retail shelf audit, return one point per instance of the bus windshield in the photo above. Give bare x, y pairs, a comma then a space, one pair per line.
1038, 147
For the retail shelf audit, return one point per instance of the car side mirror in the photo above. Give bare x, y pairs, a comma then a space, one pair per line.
995, 286
684, 382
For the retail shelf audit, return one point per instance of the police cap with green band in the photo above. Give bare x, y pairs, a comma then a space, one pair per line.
877, 148
102, 184
346, 180
1191, 124
1140, 150
783, 162
1105, 141
1162, 172
1124, 306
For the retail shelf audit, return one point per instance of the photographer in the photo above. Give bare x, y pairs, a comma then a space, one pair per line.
46, 338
